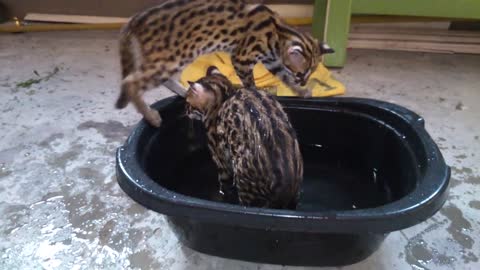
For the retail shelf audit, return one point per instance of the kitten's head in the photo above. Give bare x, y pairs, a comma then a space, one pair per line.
301, 55
207, 93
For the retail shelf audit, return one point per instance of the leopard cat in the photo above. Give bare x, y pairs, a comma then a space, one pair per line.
155, 45
251, 141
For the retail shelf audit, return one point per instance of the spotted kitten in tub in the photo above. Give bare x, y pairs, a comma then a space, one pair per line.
251, 141
156, 44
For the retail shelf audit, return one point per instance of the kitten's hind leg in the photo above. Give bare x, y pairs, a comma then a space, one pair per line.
135, 84
127, 63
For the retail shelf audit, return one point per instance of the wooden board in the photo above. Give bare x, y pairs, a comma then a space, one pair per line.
460, 39
461, 9
438, 25
424, 38
43, 17
412, 31
418, 46
47, 27
293, 14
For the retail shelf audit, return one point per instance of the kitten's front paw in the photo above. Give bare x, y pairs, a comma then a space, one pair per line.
154, 118
307, 93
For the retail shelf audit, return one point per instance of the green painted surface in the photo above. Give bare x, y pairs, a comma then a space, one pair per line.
465, 9
319, 19
338, 26
340, 11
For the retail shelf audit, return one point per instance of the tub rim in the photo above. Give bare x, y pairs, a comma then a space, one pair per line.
420, 204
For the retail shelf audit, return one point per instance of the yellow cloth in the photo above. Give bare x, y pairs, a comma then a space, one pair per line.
321, 81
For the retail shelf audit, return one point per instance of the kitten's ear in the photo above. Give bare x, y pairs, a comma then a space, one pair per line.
325, 49
295, 56
196, 88
213, 70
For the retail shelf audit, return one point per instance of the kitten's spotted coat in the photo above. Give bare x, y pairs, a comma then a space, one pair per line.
251, 141
158, 43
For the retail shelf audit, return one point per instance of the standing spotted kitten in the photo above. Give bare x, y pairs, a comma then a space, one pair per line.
251, 141
159, 42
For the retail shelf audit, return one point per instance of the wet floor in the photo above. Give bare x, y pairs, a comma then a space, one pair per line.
60, 204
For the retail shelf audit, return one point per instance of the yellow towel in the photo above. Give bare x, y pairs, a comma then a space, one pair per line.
321, 81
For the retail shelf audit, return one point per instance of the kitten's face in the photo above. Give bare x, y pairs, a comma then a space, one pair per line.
207, 92
198, 99
301, 58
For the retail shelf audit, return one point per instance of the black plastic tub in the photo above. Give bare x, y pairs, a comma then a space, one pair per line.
370, 169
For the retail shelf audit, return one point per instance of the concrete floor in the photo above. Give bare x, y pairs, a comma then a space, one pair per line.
61, 207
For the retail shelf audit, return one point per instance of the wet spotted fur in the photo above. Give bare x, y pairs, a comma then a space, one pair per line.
159, 42
251, 141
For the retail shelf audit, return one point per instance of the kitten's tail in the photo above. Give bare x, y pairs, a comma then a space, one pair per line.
128, 66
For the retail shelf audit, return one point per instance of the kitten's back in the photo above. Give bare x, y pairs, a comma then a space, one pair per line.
174, 24
265, 147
